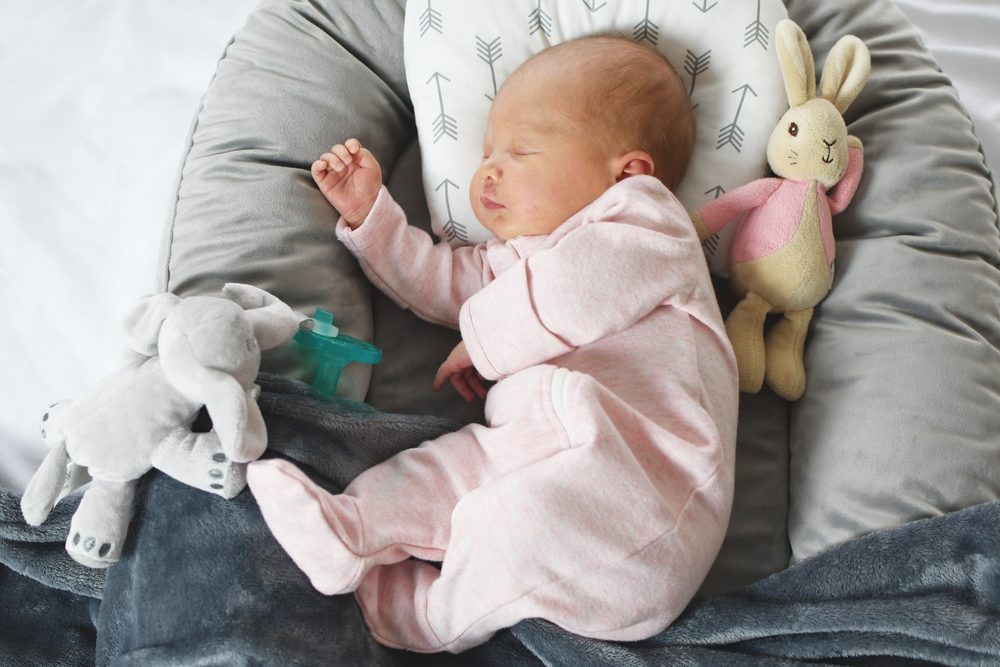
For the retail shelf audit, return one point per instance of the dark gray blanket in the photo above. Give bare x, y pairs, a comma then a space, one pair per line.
201, 582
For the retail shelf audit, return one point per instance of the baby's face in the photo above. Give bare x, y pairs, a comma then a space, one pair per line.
538, 168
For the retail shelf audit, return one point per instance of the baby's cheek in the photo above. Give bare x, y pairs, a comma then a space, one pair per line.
474, 187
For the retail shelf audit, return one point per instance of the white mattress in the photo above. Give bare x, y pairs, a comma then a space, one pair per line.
93, 132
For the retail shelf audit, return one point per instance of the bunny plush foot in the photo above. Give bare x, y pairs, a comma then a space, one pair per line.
785, 372
745, 327
97, 531
197, 459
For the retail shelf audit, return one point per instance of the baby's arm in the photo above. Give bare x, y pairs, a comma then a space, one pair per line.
400, 260
598, 280
432, 279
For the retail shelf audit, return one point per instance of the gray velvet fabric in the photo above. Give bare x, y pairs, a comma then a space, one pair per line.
901, 417
40, 625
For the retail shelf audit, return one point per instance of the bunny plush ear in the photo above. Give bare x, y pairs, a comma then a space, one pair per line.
797, 66
845, 72
141, 326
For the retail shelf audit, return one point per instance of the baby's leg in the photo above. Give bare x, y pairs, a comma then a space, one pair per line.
605, 539
399, 508
403, 507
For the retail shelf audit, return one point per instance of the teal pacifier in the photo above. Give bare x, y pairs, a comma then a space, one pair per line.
330, 351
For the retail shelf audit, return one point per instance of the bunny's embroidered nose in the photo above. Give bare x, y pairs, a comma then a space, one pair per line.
829, 151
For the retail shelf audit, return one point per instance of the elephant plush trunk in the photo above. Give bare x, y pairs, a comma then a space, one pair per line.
272, 320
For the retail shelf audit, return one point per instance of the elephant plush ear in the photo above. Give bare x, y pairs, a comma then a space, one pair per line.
272, 320
236, 419
142, 322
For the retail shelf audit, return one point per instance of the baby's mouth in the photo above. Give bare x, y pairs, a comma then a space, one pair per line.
489, 204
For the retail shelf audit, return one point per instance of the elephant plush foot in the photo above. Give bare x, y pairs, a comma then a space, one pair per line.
785, 372
197, 459
98, 529
745, 327
51, 424
53, 479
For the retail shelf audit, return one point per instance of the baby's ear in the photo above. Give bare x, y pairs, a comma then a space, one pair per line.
635, 163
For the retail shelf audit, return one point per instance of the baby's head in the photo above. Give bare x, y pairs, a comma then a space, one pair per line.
571, 122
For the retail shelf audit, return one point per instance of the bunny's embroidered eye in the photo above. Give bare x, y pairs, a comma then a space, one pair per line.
793, 129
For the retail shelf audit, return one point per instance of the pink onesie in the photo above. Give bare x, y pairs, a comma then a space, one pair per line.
597, 494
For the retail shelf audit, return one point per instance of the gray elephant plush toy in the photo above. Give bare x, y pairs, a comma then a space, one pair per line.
183, 354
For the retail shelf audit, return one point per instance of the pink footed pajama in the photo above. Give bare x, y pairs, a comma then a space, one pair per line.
598, 492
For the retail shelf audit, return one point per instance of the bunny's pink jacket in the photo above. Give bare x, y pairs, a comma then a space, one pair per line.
774, 210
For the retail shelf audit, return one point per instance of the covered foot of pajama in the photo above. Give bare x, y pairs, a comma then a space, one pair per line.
315, 528
393, 601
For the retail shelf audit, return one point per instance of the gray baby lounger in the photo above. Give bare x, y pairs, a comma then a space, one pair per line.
865, 521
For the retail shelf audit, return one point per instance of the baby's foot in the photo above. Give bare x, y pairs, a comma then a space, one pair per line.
314, 527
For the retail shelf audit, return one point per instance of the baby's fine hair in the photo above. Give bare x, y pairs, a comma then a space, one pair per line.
637, 98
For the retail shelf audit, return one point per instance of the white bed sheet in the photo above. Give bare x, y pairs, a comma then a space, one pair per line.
96, 102
96, 99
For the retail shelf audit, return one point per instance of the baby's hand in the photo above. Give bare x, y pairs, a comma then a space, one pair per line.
458, 369
350, 178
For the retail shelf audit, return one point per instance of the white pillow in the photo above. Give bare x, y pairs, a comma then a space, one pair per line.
458, 52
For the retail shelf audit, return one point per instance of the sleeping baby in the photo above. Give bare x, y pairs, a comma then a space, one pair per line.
598, 492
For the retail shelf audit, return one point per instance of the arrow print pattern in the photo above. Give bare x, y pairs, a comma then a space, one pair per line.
444, 125
431, 20
593, 6
451, 227
489, 53
756, 32
732, 134
695, 65
646, 30
539, 20
704, 7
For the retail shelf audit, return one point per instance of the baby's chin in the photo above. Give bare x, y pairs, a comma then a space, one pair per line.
495, 222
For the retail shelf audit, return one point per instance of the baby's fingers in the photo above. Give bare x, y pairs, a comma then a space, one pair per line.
329, 162
442, 374
476, 383
343, 157
324, 176
461, 385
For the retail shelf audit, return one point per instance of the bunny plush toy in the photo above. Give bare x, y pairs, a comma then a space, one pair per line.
781, 260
